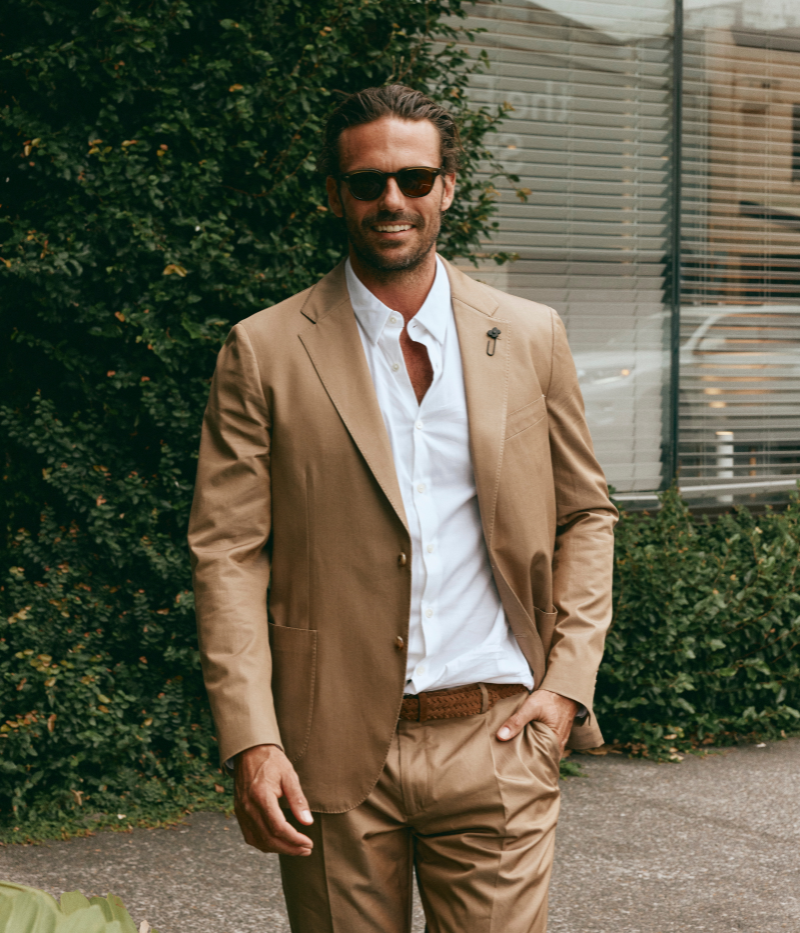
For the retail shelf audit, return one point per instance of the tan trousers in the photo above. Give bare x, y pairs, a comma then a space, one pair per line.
473, 816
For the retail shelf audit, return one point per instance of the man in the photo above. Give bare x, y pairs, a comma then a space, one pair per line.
400, 454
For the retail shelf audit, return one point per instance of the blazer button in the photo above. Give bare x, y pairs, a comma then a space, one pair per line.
402, 560
399, 643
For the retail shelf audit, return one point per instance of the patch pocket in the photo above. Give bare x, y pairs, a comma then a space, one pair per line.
525, 417
294, 679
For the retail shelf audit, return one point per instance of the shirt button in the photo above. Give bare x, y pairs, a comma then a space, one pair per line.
392, 320
402, 560
399, 643
430, 549
420, 669
395, 367
428, 613
421, 487
418, 425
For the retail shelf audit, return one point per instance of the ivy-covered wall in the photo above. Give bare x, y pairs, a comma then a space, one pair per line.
157, 185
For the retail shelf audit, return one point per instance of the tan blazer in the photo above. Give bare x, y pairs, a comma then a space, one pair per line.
297, 492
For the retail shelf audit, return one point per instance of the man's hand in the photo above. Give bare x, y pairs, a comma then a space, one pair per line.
550, 708
263, 774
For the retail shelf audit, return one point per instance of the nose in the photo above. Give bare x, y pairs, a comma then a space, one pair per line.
392, 198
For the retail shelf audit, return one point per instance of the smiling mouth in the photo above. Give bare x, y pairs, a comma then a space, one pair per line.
392, 228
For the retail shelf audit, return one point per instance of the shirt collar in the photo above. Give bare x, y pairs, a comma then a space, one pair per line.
372, 313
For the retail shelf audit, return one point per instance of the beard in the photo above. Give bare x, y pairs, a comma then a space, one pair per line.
393, 257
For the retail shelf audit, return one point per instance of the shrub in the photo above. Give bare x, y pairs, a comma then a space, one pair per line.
702, 647
161, 187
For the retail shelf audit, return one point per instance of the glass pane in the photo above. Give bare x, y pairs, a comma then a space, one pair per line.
740, 315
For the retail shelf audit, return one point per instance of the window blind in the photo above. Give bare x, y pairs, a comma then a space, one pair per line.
589, 136
740, 314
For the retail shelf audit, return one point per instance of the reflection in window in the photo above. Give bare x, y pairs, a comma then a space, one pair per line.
740, 316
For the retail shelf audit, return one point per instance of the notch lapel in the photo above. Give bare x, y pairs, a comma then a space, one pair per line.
334, 346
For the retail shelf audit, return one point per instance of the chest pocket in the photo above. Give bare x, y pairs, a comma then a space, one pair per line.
525, 417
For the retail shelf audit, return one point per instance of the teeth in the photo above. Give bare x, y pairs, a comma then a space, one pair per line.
392, 228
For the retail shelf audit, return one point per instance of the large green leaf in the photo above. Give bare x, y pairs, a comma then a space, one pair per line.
32, 911
28, 910
85, 920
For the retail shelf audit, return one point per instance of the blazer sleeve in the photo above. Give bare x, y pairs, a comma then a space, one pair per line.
584, 548
229, 529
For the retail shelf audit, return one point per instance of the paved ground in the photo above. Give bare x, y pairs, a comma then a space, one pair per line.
708, 846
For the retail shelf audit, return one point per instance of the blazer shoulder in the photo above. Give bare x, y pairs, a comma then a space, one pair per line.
533, 317
275, 328
276, 317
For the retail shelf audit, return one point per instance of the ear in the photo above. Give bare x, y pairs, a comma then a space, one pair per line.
449, 183
334, 198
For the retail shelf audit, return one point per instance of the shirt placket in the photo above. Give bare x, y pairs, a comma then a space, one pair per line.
424, 497
406, 416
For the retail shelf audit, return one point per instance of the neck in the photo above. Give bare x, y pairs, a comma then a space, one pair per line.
402, 290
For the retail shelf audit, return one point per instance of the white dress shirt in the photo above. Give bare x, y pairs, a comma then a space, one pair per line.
458, 633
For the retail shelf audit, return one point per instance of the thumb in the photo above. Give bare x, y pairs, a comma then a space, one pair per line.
511, 727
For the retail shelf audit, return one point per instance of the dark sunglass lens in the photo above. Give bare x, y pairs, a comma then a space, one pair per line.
416, 182
366, 186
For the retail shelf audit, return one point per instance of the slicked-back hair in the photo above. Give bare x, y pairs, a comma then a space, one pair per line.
395, 100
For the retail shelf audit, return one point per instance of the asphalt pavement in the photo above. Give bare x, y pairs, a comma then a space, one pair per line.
710, 845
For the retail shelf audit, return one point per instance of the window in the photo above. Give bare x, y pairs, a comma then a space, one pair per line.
589, 137
592, 137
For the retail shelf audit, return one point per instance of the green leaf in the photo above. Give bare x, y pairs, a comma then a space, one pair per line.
31, 912
72, 901
88, 920
121, 915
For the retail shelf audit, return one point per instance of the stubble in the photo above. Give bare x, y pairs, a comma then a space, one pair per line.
392, 258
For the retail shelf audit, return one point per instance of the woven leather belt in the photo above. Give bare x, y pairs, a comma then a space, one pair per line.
457, 702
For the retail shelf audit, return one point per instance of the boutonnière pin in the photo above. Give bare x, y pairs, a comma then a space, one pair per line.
491, 343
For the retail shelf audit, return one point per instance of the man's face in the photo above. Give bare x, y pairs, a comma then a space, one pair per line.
393, 232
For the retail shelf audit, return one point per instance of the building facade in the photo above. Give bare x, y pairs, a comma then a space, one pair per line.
657, 145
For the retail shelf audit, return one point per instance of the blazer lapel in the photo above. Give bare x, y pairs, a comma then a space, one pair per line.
486, 385
334, 346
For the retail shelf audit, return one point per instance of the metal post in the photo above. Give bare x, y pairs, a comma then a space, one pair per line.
675, 241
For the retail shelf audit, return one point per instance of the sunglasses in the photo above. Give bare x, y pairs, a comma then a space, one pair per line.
369, 185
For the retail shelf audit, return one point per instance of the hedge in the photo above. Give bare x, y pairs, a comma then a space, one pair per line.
703, 644
160, 186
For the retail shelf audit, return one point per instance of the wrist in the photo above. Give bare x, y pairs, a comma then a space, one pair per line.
254, 753
564, 703
256, 750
